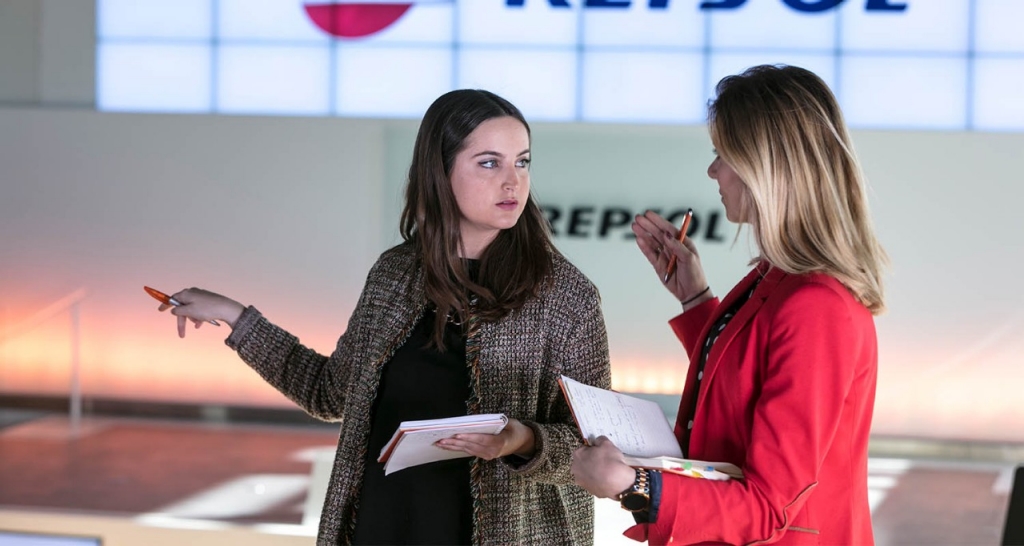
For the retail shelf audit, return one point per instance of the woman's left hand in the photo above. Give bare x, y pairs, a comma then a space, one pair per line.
601, 470
658, 239
516, 438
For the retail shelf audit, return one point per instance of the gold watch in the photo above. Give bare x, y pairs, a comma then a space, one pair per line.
638, 497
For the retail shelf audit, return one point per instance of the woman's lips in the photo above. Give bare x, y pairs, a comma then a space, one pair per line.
509, 204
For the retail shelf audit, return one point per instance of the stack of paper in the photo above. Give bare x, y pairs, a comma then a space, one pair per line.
413, 441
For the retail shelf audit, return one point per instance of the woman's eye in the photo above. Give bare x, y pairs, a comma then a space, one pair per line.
524, 162
489, 164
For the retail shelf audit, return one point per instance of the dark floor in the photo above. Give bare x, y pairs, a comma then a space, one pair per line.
189, 469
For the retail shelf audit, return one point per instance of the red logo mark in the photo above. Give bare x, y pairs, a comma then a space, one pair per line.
355, 19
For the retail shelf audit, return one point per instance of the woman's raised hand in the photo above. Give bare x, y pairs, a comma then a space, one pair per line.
658, 239
199, 306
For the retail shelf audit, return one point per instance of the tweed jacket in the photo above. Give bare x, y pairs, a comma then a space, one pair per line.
514, 366
787, 394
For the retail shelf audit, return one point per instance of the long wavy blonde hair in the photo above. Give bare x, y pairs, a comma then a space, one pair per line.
780, 128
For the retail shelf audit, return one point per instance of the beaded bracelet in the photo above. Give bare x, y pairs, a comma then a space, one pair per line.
699, 294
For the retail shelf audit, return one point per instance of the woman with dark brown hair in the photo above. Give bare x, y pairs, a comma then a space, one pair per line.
476, 312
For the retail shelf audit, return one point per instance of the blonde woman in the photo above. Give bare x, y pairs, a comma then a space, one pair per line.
782, 369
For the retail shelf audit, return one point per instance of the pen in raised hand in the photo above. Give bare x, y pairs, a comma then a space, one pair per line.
682, 236
167, 300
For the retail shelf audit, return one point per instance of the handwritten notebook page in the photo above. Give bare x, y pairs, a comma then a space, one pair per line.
638, 427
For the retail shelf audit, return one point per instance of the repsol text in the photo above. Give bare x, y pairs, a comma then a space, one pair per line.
596, 222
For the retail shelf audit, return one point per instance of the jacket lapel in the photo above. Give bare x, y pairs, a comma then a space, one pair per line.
745, 314
401, 317
686, 401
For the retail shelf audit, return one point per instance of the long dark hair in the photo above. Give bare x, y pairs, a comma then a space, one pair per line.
514, 266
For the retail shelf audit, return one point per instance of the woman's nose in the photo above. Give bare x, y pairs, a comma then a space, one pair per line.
512, 180
713, 168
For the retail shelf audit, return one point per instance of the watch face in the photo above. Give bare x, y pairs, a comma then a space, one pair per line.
635, 501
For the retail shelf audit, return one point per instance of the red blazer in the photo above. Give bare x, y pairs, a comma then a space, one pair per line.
787, 395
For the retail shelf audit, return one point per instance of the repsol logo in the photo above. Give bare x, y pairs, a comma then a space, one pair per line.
590, 222
805, 6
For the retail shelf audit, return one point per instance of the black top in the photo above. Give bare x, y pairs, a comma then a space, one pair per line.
430, 503
713, 334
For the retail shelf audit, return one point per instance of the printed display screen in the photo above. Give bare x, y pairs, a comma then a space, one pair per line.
899, 64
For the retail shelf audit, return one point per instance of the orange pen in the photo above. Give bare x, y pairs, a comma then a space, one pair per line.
167, 300
682, 236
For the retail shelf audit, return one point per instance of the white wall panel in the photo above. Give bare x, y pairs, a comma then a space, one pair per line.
924, 26
406, 79
998, 105
274, 79
773, 26
181, 19
154, 77
535, 23
542, 83
643, 87
904, 92
265, 20
676, 26
1001, 21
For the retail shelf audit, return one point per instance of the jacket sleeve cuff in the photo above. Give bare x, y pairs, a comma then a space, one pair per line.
245, 322
522, 465
688, 325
